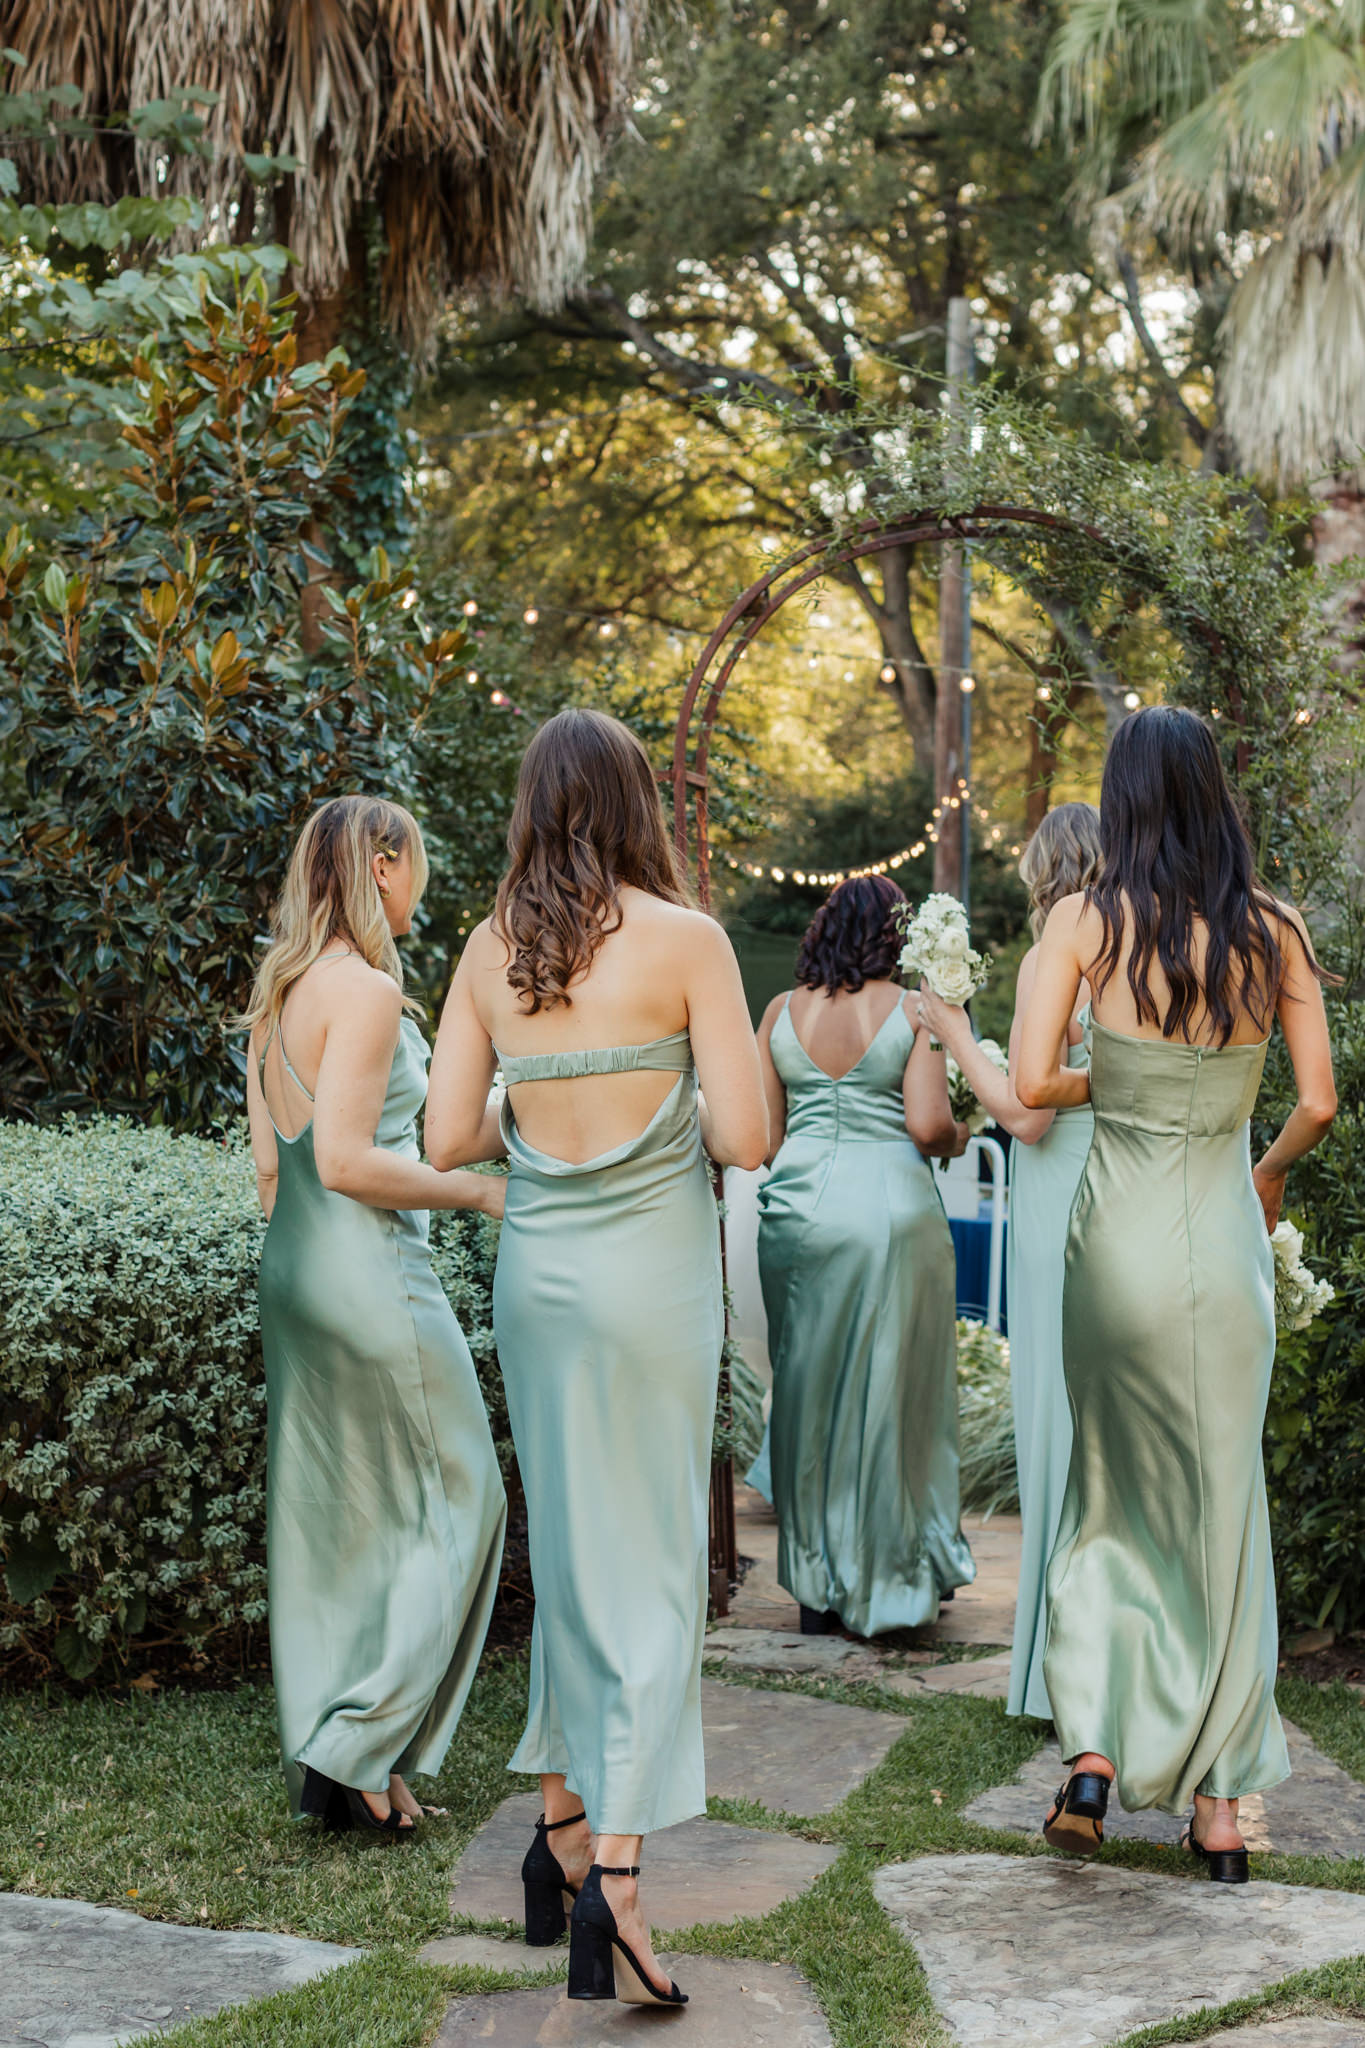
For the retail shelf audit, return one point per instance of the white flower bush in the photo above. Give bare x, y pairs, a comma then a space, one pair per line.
1299, 1297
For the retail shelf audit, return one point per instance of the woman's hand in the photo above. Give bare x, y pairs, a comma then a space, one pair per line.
1269, 1187
947, 1022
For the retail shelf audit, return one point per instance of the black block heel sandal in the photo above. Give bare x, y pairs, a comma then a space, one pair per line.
1225, 1866
547, 1892
820, 1621
325, 1800
600, 1964
1077, 1823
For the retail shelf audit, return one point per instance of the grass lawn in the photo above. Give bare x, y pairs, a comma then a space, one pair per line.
172, 1806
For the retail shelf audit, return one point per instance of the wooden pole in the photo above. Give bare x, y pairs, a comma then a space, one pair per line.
952, 711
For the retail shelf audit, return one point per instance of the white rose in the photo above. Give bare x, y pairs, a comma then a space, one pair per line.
951, 979
953, 945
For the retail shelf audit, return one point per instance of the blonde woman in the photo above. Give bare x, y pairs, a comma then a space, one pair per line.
1061, 859
385, 1508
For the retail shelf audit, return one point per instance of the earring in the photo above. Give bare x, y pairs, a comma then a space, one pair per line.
382, 890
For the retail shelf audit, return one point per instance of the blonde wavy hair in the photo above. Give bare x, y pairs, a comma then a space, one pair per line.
1061, 859
330, 892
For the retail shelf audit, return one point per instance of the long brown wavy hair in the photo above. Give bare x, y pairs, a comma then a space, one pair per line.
587, 823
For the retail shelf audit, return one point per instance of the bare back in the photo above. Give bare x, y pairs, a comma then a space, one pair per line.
1116, 1009
836, 1030
666, 969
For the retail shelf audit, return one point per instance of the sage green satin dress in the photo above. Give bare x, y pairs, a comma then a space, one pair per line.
384, 1503
859, 1280
1162, 1642
607, 1307
1043, 1182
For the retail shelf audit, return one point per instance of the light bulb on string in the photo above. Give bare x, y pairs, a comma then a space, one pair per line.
530, 615
1131, 700
888, 672
967, 685
470, 608
1044, 694
472, 676
606, 629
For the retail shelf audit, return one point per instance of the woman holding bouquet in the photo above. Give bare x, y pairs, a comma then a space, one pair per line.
859, 1282
1062, 857
1162, 1650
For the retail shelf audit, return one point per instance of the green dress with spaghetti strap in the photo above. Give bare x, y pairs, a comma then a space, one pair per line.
384, 1503
1043, 1181
1162, 1645
607, 1309
859, 1282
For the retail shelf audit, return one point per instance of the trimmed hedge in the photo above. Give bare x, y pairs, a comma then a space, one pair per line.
132, 1393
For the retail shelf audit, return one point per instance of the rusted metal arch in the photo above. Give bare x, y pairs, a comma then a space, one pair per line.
741, 625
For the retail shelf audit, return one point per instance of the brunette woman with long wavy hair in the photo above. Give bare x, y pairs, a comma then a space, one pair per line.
859, 1282
605, 998
384, 1504
1161, 1648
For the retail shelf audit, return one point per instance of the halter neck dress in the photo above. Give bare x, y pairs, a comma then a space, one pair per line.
1162, 1642
859, 1281
607, 1308
384, 1502
1043, 1182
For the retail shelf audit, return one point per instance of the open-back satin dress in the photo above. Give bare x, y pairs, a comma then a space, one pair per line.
1162, 1643
1043, 1182
608, 1313
859, 1280
384, 1502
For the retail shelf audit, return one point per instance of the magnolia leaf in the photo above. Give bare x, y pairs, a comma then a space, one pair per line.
33, 1566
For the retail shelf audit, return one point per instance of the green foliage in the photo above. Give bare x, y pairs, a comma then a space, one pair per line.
1315, 1426
164, 731
990, 1481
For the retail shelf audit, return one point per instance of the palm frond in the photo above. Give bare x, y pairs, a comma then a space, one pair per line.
1156, 56
1272, 129
1293, 341
476, 127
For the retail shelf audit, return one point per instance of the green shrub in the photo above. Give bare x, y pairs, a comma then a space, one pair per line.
132, 1395
990, 1482
1315, 1426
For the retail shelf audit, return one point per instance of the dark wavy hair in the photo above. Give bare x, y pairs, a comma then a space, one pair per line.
587, 823
852, 937
1174, 850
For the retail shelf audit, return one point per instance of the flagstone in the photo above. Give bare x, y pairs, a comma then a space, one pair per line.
762, 2005
79, 1976
788, 1652
1318, 1811
978, 1678
1047, 1952
701, 1870
492, 1952
790, 1753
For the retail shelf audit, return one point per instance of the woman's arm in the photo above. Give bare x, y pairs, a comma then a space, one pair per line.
773, 1089
353, 1078
994, 1090
264, 1154
928, 1117
1303, 1019
734, 1115
1042, 1082
460, 1127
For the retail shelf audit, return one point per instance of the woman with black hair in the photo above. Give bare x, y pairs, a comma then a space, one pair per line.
859, 1281
1162, 1648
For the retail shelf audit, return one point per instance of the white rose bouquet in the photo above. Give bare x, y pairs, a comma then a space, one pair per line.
1298, 1296
938, 948
966, 1106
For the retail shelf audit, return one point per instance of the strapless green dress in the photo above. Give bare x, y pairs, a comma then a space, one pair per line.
384, 1503
1162, 1644
1043, 1182
859, 1281
607, 1308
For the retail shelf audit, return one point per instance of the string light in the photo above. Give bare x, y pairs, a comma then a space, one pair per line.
967, 685
1131, 700
1044, 694
471, 609
888, 672
530, 615
1303, 717
473, 676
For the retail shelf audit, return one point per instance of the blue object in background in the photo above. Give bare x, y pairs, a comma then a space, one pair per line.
972, 1243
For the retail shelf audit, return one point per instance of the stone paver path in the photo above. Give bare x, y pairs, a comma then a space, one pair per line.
732, 2005
792, 1754
1033, 1952
78, 1976
698, 1871
1319, 1811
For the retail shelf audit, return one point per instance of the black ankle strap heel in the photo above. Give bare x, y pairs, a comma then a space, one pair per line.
1225, 1866
1077, 1823
600, 1964
546, 1892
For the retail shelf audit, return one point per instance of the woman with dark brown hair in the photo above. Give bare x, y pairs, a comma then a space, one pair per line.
605, 998
859, 1281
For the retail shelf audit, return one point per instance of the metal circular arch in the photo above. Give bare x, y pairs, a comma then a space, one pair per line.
764, 598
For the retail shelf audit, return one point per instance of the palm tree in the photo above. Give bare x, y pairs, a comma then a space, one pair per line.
469, 130
1234, 133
